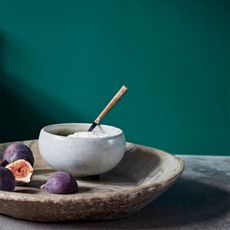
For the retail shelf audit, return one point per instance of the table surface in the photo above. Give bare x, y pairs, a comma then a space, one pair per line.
199, 200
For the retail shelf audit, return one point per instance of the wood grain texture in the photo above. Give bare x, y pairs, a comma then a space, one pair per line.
142, 175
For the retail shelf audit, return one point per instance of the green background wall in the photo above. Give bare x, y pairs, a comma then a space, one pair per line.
62, 61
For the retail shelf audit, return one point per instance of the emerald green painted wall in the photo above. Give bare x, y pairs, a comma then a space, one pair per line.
62, 61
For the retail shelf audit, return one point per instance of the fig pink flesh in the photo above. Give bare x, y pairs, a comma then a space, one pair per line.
22, 170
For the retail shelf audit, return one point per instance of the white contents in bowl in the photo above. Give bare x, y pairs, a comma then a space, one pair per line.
88, 134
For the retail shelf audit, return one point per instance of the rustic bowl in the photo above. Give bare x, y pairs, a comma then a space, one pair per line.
81, 156
141, 176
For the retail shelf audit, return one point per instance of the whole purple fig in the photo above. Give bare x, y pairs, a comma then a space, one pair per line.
18, 151
61, 183
7, 180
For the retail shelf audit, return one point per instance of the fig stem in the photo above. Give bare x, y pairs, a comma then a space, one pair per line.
43, 186
4, 163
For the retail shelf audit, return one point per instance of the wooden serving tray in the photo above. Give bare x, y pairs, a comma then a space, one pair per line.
142, 175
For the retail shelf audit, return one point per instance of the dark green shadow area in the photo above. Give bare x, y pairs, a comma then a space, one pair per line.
22, 120
25, 110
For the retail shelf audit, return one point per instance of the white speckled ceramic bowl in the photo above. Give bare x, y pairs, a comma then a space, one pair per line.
81, 156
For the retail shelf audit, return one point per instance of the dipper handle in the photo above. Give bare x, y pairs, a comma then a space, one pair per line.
109, 106
113, 102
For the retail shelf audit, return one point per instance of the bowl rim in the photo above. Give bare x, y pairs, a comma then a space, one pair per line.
44, 129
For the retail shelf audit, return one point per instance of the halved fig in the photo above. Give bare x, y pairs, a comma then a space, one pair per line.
22, 171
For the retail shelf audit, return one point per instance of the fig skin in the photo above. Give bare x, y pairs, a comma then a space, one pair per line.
61, 182
7, 180
18, 151
22, 171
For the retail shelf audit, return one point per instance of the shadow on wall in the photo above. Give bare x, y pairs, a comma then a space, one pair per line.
20, 118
